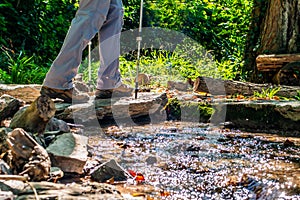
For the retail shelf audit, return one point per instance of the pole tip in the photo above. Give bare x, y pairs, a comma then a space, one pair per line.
136, 93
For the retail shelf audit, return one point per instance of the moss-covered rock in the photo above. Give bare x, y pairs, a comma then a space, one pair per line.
270, 116
189, 110
282, 117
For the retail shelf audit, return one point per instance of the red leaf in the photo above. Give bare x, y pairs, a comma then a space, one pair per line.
138, 177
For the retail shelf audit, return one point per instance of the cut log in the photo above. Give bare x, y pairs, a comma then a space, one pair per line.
27, 93
69, 152
34, 117
274, 62
230, 87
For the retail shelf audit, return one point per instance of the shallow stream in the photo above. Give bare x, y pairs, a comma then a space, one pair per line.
195, 161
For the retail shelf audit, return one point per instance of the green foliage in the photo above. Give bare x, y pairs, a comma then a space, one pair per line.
83, 69
165, 66
4, 77
267, 93
22, 69
297, 97
220, 26
162, 65
131, 14
37, 28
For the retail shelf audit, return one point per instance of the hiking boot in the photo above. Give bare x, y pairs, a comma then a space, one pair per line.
69, 95
121, 91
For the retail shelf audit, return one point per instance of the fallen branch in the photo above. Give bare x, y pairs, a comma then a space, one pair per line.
14, 177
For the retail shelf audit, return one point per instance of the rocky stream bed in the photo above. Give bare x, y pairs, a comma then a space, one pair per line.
164, 145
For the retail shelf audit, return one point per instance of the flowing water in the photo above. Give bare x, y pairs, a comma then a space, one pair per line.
195, 161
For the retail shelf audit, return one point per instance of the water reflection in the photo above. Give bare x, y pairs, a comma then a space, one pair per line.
195, 162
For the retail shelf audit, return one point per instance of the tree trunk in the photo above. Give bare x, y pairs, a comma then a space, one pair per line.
280, 29
274, 30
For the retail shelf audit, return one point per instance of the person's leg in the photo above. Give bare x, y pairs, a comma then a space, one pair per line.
108, 74
88, 20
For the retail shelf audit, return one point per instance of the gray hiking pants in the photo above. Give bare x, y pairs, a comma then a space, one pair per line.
92, 16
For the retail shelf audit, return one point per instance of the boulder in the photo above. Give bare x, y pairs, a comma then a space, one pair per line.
3, 136
57, 125
178, 85
69, 152
282, 117
27, 156
109, 170
9, 106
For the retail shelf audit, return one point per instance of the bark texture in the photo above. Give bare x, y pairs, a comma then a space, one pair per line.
274, 30
280, 31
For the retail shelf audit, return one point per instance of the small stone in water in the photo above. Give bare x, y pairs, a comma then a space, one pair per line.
288, 143
151, 160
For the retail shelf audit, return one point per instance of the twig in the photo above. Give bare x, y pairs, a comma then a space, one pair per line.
34, 190
20, 178
14, 177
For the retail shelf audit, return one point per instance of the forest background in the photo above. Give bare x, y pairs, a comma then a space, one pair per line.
32, 33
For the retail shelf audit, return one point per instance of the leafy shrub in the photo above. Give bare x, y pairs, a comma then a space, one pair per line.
35, 26
220, 26
267, 93
162, 65
22, 69
38, 27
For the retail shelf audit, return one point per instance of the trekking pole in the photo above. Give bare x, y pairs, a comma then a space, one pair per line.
89, 65
139, 40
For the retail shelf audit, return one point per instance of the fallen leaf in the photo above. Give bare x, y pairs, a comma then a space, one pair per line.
138, 194
138, 177
276, 98
164, 194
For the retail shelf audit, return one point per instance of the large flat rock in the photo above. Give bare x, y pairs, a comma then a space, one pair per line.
271, 116
27, 93
129, 107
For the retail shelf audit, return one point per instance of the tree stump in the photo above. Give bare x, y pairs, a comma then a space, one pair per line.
34, 117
